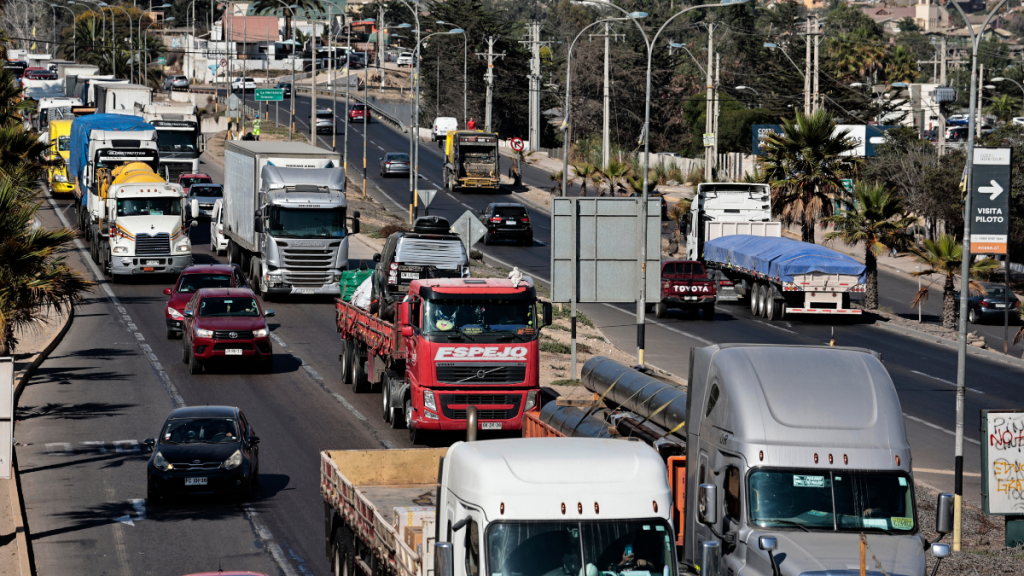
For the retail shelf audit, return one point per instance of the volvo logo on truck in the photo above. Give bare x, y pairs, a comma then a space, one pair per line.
481, 353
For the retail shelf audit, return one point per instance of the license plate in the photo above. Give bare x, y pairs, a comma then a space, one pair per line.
410, 275
510, 222
490, 425
150, 262
1000, 305
304, 290
233, 352
148, 269
690, 297
195, 481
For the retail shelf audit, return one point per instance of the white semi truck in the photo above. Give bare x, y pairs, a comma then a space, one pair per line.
179, 136
285, 216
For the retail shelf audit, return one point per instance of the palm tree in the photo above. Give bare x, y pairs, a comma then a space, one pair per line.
805, 165
901, 66
1003, 107
34, 276
556, 178
265, 6
877, 219
584, 171
943, 256
613, 173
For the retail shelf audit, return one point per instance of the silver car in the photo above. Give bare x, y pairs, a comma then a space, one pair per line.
394, 163
175, 82
324, 121
206, 195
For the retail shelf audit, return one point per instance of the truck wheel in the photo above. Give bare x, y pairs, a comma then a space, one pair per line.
398, 416
752, 296
342, 553
256, 278
660, 310
762, 301
385, 395
346, 378
360, 385
771, 306
415, 436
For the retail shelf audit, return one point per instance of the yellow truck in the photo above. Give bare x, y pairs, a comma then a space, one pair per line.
471, 160
60, 149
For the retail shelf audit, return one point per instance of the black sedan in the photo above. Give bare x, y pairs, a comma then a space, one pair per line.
394, 163
507, 221
203, 450
991, 305
287, 87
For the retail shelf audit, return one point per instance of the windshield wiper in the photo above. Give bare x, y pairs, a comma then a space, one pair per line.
459, 330
513, 335
786, 522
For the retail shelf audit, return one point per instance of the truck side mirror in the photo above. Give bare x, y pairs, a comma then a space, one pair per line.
940, 550
707, 503
710, 556
195, 208
202, 142
548, 313
768, 543
944, 514
257, 224
444, 559
403, 313
355, 222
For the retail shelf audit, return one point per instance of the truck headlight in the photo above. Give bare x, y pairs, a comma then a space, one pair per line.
184, 248
174, 313
120, 250
204, 333
261, 333
531, 400
428, 400
60, 178
233, 461
161, 463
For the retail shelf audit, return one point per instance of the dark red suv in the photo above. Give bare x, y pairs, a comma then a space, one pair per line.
224, 322
191, 280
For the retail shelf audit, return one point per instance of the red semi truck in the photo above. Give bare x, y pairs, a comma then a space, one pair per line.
456, 342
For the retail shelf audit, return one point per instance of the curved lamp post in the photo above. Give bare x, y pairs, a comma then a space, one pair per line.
113, 39
1001, 79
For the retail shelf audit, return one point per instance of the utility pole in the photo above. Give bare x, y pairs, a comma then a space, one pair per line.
942, 82
381, 46
606, 138
981, 82
718, 70
817, 96
708, 126
489, 78
312, 109
534, 77
807, 68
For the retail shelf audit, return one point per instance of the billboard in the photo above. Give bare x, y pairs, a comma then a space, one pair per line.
866, 135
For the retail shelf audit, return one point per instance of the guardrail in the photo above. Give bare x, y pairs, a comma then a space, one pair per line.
375, 109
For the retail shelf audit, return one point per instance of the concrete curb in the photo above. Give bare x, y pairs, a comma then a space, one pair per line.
982, 352
17, 504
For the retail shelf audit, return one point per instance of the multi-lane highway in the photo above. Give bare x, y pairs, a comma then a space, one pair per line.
112, 381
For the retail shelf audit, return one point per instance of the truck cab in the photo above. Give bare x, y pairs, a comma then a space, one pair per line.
179, 137
60, 149
810, 463
724, 202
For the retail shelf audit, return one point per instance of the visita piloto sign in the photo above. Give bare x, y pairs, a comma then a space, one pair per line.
990, 201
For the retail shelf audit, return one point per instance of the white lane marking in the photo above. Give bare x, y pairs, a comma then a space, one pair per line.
946, 472
944, 381
665, 326
165, 380
770, 325
466, 205
282, 562
381, 148
102, 445
937, 427
277, 340
261, 530
58, 448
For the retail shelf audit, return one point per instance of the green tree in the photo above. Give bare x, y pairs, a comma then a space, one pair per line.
1003, 107
614, 173
944, 257
877, 219
584, 171
273, 7
901, 66
806, 166
907, 24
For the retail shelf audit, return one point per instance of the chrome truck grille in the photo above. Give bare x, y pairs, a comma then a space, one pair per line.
461, 373
146, 245
307, 266
171, 170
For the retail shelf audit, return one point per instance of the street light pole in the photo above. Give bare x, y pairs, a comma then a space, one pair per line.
113, 40
414, 120
74, 31
965, 272
465, 55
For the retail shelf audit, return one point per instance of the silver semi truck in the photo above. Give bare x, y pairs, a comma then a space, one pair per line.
285, 216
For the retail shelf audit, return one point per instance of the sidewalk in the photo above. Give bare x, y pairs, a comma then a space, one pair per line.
35, 344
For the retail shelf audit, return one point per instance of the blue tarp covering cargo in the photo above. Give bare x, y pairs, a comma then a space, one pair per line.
81, 127
780, 258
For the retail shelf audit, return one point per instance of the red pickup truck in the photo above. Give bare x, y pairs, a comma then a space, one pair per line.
685, 284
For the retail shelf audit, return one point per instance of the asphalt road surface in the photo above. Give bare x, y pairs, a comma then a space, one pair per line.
115, 377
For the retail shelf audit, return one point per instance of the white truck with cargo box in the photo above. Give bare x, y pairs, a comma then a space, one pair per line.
120, 97
524, 506
285, 216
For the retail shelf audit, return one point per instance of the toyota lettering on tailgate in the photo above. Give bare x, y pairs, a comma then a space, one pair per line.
703, 288
466, 353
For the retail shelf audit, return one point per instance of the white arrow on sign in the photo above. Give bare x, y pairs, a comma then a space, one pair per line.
995, 190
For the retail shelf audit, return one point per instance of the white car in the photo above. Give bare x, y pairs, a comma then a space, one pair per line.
243, 84
218, 241
1019, 121
405, 59
442, 126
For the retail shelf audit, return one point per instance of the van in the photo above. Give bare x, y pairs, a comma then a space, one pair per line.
60, 148
442, 126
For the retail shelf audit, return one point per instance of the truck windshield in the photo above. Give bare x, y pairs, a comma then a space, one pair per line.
63, 143
832, 500
481, 317
174, 141
148, 207
628, 547
309, 223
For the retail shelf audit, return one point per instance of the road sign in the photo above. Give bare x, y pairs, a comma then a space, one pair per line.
990, 201
161, 61
269, 94
426, 196
848, 185
709, 140
517, 144
223, 62
469, 228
